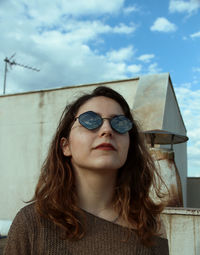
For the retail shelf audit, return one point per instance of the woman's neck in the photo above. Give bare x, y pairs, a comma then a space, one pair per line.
95, 192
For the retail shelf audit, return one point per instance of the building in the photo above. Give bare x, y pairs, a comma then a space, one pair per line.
28, 122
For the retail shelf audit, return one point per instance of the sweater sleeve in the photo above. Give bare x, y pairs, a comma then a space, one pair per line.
18, 241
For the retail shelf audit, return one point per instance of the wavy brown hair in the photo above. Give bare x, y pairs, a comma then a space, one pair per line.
55, 195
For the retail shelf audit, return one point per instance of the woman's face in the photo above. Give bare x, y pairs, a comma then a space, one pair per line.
101, 149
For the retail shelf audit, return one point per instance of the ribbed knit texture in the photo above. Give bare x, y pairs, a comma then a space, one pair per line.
28, 237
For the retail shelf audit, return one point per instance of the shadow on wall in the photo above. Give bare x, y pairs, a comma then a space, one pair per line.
193, 191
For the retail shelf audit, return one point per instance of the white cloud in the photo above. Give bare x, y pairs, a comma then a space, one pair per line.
50, 37
120, 55
46, 11
82, 31
146, 57
130, 9
189, 102
124, 29
63, 65
43, 15
197, 34
134, 69
189, 7
163, 25
196, 69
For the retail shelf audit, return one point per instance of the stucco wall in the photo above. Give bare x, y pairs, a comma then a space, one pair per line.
183, 230
149, 103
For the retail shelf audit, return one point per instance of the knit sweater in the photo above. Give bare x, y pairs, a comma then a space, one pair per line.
28, 237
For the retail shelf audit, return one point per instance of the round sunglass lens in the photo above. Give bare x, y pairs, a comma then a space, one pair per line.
121, 124
90, 120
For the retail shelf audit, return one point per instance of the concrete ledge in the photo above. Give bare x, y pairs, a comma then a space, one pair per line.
182, 211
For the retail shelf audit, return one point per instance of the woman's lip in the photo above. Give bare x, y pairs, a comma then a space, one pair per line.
105, 146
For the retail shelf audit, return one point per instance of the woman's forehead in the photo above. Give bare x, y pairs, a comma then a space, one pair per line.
102, 105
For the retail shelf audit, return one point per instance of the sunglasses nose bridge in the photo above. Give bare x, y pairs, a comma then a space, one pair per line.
106, 123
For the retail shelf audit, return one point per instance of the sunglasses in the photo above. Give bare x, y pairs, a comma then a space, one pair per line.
92, 120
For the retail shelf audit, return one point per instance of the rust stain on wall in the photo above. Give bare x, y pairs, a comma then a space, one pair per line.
166, 166
41, 100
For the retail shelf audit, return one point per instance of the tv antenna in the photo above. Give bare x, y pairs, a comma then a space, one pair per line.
10, 62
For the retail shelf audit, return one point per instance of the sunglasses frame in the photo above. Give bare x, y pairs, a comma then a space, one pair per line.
84, 124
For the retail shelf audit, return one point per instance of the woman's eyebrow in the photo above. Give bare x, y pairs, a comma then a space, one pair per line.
111, 115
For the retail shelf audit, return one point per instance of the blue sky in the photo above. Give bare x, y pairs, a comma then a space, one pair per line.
78, 42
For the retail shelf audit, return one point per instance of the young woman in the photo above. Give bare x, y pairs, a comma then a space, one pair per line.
92, 196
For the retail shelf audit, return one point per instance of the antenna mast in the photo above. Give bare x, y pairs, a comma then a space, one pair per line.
11, 63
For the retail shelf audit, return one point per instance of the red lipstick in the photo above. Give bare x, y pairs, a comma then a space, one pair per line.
105, 147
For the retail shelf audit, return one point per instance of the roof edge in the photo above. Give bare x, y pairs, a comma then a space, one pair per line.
70, 86
171, 84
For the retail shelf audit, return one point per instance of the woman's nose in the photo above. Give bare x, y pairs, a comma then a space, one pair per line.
106, 128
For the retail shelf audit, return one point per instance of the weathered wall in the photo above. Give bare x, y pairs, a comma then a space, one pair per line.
173, 122
183, 231
149, 103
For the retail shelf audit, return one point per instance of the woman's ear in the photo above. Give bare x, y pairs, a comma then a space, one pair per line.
64, 144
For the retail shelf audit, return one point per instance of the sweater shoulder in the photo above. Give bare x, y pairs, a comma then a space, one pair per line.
20, 233
27, 216
28, 212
